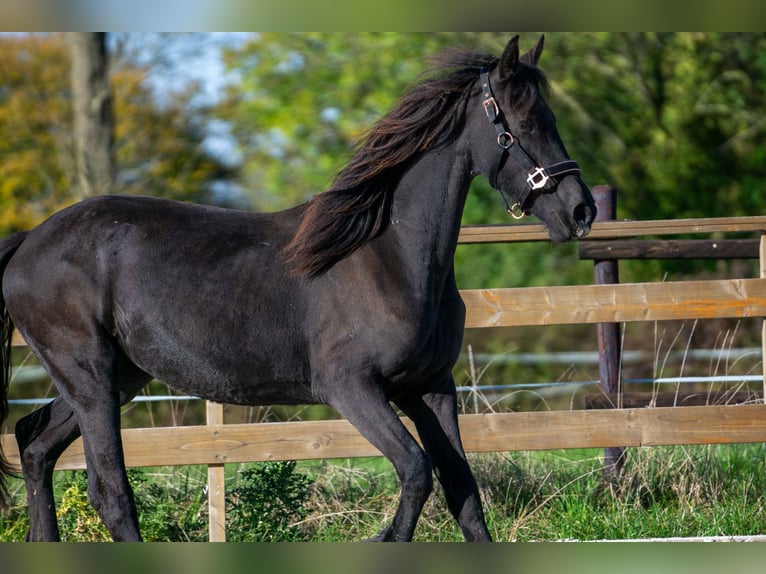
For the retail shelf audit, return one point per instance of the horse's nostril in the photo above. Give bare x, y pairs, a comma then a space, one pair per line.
583, 215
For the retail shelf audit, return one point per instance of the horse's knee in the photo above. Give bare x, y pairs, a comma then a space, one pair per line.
116, 506
417, 478
98, 494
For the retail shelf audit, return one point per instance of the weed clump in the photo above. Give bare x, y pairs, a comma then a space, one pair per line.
265, 503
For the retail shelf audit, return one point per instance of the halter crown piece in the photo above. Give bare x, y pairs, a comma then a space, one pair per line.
538, 178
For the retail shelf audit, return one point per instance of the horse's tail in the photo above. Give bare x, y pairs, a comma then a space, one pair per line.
7, 248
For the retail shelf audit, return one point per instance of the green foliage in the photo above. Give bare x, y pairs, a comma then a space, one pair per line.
675, 120
159, 149
36, 155
307, 98
78, 522
684, 491
14, 522
170, 508
266, 502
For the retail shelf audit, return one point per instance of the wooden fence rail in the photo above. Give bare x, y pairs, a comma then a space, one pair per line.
216, 444
498, 432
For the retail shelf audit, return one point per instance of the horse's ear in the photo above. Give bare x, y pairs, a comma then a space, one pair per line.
509, 61
533, 56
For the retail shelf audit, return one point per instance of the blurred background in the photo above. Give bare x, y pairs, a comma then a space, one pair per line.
262, 121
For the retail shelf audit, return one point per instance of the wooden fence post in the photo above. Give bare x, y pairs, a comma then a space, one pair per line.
762, 263
216, 492
609, 334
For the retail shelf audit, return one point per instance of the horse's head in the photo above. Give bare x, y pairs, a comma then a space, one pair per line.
515, 143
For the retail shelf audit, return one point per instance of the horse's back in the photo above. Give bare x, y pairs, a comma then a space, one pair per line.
105, 218
189, 293
137, 226
103, 241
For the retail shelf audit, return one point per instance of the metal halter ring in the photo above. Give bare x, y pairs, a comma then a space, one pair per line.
516, 211
505, 140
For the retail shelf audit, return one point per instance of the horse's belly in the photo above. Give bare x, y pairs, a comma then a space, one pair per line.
234, 379
255, 392
251, 390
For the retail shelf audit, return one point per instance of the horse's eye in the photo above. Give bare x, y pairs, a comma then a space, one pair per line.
527, 126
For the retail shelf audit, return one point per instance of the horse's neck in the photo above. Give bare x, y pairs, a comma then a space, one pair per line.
426, 212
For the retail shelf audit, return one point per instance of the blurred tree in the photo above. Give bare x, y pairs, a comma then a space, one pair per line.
306, 98
675, 120
36, 157
93, 114
159, 149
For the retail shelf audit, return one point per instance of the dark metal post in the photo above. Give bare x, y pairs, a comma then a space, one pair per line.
609, 334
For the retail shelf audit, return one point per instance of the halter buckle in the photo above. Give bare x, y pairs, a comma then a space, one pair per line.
537, 179
490, 108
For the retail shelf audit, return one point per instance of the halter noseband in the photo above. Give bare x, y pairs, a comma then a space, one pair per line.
538, 178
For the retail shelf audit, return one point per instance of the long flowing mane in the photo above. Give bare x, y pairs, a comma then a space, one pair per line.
357, 207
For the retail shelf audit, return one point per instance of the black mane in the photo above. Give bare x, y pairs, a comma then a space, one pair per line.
357, 206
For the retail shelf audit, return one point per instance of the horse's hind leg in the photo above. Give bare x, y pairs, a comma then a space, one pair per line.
42, 436
87, 374
435, 417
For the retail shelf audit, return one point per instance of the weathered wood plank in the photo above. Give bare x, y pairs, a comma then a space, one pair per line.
481, 433
762, 255
670, 249
17, 340
219, 444
615, 303
611, 428
216, 484
503, 233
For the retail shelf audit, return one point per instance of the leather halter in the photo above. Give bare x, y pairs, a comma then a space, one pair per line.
538, 178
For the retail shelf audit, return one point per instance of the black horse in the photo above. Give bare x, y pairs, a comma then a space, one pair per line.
348, 300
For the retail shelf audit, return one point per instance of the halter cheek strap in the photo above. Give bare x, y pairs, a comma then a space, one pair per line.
538, 178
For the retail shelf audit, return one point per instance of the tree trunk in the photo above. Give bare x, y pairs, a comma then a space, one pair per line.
93, 114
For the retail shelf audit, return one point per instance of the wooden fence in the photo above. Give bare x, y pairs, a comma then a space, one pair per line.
216, 443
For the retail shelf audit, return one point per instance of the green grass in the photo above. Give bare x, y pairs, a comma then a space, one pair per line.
555, 495
663, 492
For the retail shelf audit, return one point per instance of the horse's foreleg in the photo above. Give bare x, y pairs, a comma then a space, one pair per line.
435, 417
362, 402
42, 436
